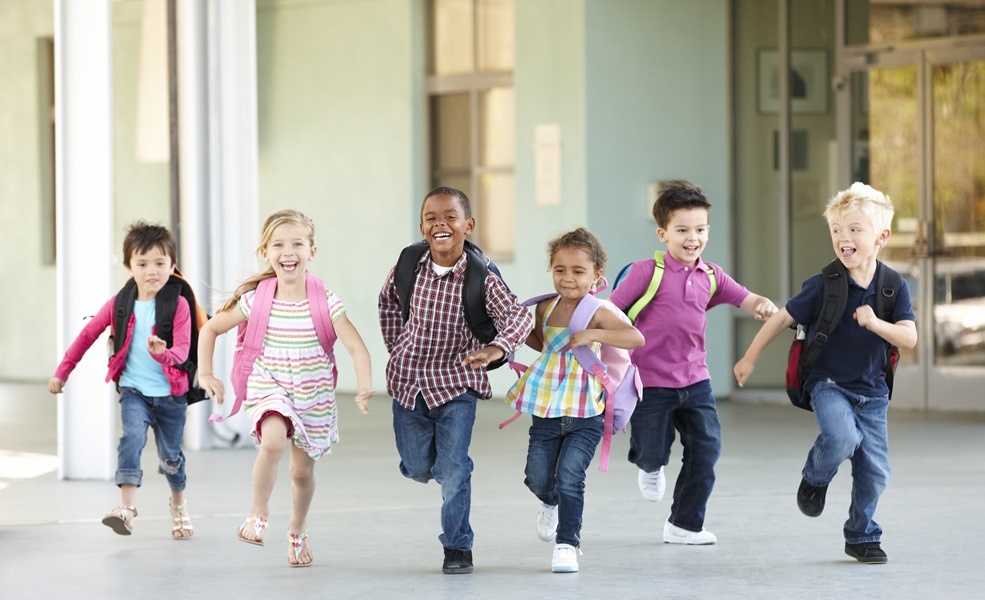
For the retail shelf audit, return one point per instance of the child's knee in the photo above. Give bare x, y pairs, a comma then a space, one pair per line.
172, 466
420, 474
302, 473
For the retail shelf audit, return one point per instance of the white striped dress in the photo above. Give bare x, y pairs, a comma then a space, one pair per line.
293, 375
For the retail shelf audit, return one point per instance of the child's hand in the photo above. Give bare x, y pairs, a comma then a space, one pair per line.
743, 369
865, 316
55, 385
362, 399
212, 386
765, 309
581, 338
481, 358
156, 345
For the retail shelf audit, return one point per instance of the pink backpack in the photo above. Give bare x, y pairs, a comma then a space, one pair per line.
249, 339
615, 370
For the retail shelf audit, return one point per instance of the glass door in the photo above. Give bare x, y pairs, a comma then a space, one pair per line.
917, 132
956, 134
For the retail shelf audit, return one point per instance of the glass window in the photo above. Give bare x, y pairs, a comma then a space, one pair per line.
887, 21
470, 86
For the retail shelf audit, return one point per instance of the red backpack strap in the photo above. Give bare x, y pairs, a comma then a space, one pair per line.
251, 334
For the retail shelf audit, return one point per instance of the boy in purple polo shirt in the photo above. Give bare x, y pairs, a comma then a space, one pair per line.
847, 385
676, 382
437, 367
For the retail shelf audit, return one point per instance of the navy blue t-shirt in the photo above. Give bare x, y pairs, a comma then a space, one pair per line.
853, 357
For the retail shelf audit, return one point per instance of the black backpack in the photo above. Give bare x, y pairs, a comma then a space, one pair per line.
166, 303
803, 357
473, 289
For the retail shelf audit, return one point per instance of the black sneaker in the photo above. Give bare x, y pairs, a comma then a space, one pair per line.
810, 499
457, 562
868, 552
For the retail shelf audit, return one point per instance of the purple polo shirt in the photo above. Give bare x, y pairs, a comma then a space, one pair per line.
674, 322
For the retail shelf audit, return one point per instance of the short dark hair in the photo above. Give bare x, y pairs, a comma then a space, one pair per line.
142, 236
676, 195
443, 190
580, 238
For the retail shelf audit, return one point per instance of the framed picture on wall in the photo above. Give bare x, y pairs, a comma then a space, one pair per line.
809, 81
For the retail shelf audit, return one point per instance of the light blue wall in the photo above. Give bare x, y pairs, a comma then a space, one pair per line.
640, 89
657, 105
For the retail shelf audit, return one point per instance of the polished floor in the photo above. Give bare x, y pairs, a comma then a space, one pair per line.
374, 533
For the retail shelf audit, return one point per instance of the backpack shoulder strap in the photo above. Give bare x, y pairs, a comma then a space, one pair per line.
320, 315
714, 281
888, 283
165, 305
580, 319
474, 294
835, 278
405, 273
251, 333
122, 309
651, 290
256, 325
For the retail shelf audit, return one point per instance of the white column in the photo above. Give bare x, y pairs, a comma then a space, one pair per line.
84, 228
233, 139
193, 157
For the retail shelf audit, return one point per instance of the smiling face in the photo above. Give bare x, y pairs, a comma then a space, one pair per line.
573, 272
288, 251
855, 239
444, 226
686, 234
150, 271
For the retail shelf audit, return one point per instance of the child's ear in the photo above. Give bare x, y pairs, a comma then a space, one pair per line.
883, 237
470, 226
662, 234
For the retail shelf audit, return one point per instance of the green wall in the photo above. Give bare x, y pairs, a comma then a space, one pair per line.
27, 337
340, 122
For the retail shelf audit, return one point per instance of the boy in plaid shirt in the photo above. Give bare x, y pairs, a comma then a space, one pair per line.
437, 367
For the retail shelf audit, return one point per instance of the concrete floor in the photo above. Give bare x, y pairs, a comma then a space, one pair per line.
374, 533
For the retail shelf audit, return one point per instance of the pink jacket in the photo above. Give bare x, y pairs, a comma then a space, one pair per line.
175, 355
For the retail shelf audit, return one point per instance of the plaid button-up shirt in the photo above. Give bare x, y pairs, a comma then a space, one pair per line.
426, 353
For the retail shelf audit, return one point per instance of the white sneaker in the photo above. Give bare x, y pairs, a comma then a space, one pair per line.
676, 535
547, 522
565, 559
652, 485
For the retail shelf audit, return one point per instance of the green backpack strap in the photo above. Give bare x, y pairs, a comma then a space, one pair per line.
651, 290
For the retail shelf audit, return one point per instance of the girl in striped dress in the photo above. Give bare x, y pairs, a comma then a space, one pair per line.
290, 393
563, 399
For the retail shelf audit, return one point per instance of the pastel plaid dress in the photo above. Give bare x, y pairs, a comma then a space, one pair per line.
555, 385
293, 375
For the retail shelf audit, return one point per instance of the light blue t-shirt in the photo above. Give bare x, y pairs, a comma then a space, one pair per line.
142, 372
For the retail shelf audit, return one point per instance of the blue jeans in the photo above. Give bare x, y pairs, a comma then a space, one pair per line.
166, 416
691, 411
852, 427
434, 444
558, 456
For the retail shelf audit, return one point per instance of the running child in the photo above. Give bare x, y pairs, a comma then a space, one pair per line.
290, 393
564, 400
